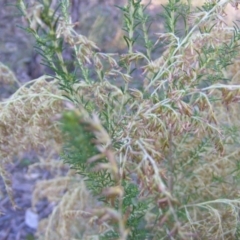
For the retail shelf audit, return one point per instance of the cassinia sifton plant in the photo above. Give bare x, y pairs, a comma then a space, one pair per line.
160, 161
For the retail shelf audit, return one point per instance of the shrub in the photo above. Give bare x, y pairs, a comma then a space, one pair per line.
159, 161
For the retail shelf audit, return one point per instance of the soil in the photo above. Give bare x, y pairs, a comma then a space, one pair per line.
18, 224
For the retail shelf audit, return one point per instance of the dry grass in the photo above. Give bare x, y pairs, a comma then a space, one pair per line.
168, 150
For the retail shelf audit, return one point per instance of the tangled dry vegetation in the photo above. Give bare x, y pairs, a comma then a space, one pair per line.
156, 162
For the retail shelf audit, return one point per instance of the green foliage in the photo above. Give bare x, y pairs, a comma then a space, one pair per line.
30, 237
158, 158
78, 148
79, 145
138, 209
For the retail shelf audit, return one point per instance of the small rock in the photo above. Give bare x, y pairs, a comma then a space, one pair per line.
32, 176
31, 219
